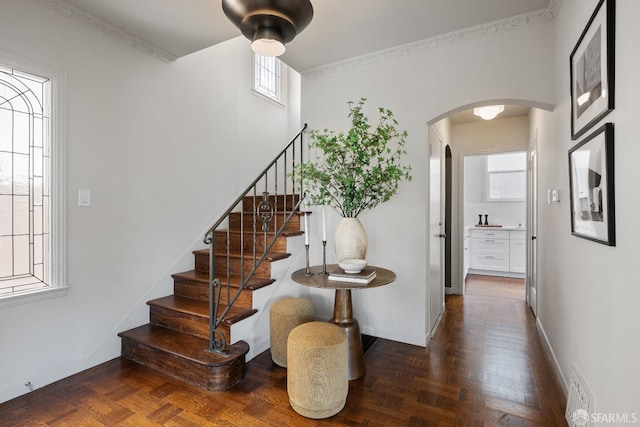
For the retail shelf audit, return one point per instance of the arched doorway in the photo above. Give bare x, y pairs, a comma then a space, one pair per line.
452, 178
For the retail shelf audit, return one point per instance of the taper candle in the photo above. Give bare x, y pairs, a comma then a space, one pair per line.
306, 230
324, 227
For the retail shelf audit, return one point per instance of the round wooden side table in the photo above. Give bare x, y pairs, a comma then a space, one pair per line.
343, 309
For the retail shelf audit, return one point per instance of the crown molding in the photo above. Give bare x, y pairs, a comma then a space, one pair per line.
502, 26
84, 18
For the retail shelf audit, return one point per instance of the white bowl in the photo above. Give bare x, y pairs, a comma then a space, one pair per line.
352, 265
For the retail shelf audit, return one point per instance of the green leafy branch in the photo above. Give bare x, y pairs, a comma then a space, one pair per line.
357, 170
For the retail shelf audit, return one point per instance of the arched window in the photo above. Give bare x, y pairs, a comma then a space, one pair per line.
25, 184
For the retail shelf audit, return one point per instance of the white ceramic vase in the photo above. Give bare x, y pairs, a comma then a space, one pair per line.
350, 240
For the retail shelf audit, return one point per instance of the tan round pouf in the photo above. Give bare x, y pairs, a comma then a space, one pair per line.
317, 377
285, 315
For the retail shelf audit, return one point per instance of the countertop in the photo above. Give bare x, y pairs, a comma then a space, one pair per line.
504, 227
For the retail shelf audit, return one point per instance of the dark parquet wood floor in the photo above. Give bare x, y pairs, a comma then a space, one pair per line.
484, 367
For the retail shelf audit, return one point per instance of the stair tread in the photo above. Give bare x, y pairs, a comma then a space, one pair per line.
284, 233
184, 345
271, 256
182, 304
199, 308
275, 213
234, 279
279, 213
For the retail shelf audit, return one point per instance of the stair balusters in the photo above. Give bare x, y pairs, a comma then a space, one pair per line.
279, 200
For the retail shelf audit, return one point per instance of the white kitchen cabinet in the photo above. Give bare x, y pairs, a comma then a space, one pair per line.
490, 250
497, 251
517, 251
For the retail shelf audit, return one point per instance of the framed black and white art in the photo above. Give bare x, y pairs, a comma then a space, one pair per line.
591, 180
592, 70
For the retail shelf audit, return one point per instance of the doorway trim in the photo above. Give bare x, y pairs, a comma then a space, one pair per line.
532, 224
436, 232
448, 219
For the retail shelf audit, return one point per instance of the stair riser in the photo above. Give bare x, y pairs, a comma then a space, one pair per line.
201, 292
245, 299
281, 202
202, 265
186, 323
236, 221
236, 266
191, 290
183, 322
212, 378
236, 241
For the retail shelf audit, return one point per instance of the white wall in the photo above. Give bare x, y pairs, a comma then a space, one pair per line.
419, 88
163, 149
588, 293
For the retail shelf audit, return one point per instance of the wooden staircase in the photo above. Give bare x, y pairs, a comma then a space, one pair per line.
176, 339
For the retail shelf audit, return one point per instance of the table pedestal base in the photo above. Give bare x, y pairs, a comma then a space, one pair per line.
343, 317
342, 309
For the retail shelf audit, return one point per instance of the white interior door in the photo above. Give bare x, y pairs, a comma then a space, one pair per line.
436, 231
532, 250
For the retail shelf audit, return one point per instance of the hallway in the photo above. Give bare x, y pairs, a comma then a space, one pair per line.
489, 344
484, 367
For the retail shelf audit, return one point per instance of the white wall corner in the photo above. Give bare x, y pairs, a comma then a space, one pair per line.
403, 337
91, 21
440, 41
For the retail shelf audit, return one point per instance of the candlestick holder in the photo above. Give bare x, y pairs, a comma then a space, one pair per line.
307, 271
324, 259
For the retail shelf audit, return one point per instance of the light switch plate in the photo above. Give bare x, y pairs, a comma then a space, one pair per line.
84, 198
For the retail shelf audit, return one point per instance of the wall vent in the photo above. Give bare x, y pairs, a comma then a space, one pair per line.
579, 402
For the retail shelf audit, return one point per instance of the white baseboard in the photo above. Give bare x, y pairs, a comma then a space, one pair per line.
38, 381
554, 360
496, 273
438, 320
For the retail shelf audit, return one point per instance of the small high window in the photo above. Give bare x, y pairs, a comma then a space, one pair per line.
506, 177
267, 77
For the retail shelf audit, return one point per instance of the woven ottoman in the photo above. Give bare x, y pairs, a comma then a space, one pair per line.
285, 315
317, 375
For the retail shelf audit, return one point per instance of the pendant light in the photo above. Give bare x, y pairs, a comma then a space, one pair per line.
489, 112
269, 24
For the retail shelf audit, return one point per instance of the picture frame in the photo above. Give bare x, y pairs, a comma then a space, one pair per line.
592, 68
591, 181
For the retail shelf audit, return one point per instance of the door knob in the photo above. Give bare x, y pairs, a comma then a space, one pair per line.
442, 236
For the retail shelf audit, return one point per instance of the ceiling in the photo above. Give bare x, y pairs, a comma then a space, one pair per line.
340, 29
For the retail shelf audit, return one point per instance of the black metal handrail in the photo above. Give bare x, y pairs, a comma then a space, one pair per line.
265, 211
